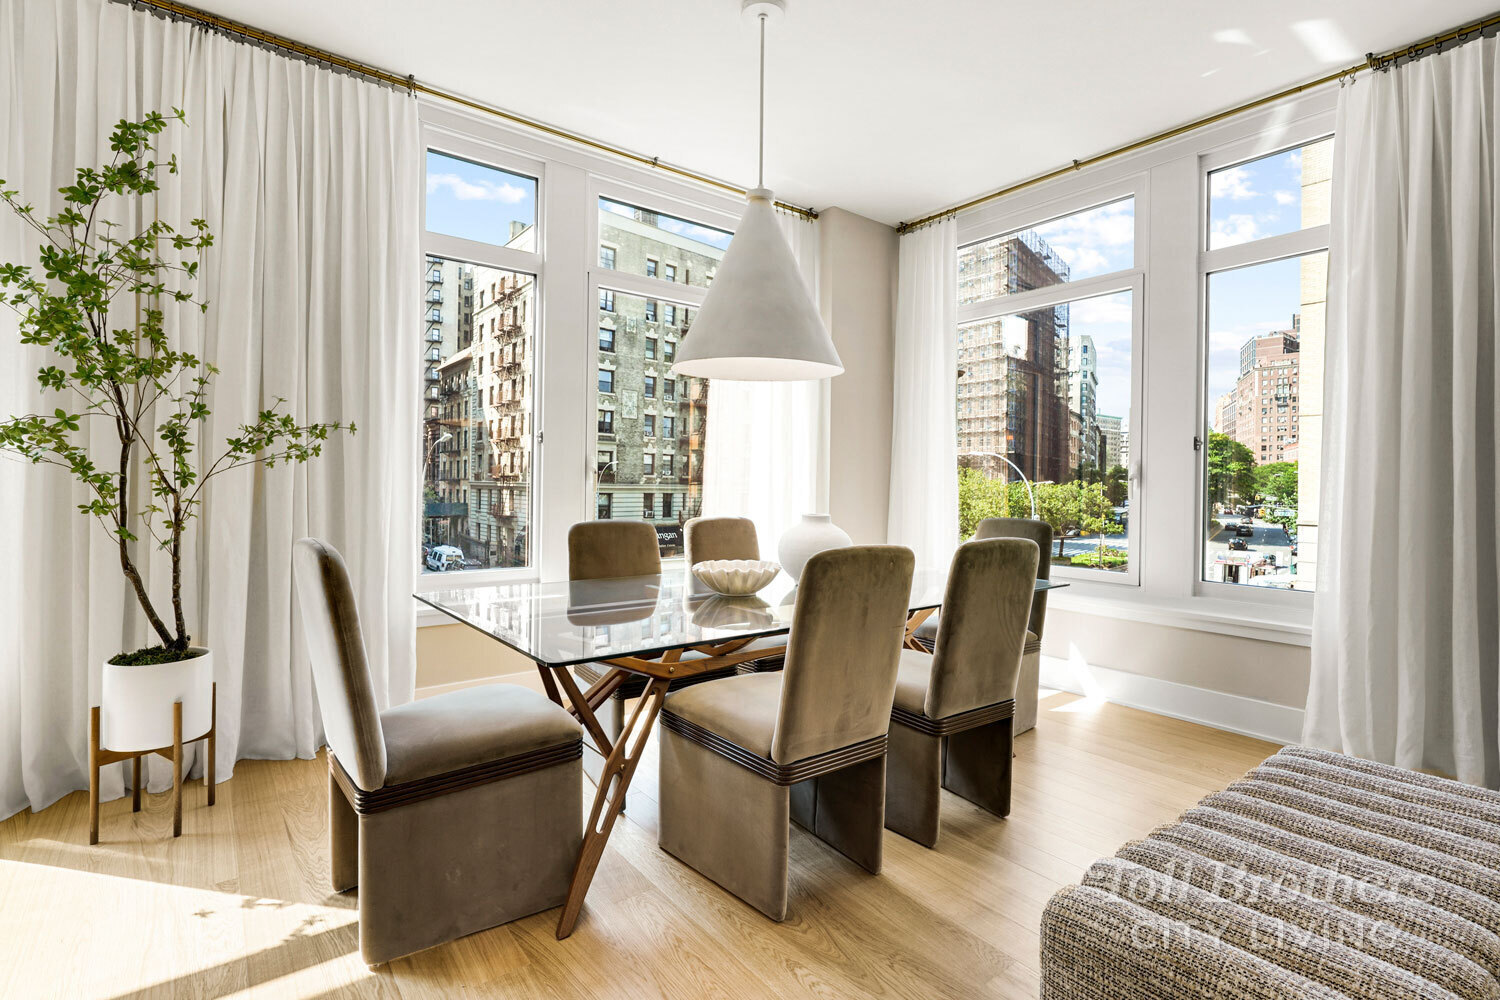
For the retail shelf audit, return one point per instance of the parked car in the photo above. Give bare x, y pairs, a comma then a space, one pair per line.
441, 558
1238, 544
1244, 530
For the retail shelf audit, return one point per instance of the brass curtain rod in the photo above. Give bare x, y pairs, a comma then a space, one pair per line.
178, 11
1372, 62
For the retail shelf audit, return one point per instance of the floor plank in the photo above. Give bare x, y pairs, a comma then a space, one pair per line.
239, 906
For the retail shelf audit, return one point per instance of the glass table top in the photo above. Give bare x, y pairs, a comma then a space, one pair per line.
562, 624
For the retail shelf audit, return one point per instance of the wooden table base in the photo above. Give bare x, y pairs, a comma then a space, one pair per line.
99, 757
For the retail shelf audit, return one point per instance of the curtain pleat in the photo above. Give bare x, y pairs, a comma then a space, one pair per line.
310, 182
924, 441
1406, 631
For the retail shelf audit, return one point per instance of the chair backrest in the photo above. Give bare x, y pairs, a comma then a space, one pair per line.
721, 538
341, 675
982, 631
840, 676
1039, 532
601, 550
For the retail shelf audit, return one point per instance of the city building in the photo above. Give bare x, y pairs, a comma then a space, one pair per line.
1013, 382
1261, 411
1114, 443
651, 424
1083, 396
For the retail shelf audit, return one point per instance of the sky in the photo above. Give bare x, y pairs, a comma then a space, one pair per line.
476, 202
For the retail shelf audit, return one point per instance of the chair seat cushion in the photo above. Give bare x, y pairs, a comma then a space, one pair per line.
469, 727
913, 676
741, 709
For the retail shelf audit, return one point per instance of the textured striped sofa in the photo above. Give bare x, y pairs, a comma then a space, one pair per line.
1315, 876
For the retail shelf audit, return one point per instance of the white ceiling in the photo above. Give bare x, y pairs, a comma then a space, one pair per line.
887, 109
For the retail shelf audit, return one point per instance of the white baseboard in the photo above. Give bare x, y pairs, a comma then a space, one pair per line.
1263, 720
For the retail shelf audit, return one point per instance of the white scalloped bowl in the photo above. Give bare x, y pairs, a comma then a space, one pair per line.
735, 577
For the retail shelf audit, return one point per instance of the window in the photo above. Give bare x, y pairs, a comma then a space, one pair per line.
666, 465
606, 339
669, 314
650, 311
606, 380
606, 300
669, 389
1269, 196
650, 386
648, 425
607, 257
481, 203
650, 348
666, 505
1089, 243
668, 423
648, 505
1263, 391
644, 236
669, 351
604, 459
606, 421
648, 464
606, 506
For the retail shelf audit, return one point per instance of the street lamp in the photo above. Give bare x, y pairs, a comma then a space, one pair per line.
990, 454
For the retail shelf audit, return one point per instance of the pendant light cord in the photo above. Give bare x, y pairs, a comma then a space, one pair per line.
760, 169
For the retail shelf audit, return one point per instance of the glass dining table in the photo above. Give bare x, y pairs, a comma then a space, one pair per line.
636, 626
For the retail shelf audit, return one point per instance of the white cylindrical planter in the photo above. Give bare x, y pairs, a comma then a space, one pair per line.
135, 710
802, 541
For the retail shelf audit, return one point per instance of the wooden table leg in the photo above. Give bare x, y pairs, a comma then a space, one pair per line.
210, 771
94, 775
609, 799
176, 768
135, 784
909, 641
549, 685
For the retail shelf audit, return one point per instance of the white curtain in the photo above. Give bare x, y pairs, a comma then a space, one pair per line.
309, 182
1406, 633
924, 440
766, 456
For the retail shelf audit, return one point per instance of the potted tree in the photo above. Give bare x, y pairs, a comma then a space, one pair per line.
97, 304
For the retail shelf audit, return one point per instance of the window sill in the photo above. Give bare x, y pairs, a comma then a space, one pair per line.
1199, 614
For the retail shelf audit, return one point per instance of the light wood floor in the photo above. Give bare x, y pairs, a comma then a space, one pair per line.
240, 905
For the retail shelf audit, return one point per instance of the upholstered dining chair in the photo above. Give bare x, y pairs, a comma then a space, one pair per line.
732, 538
743, 757
951, 723
1027, 682
450, 814
600, 550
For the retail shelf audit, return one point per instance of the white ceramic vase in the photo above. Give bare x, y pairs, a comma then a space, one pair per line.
802, 541
135, 709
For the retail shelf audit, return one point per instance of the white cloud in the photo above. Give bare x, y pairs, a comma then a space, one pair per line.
1104, 309
1233, 230
1294, 160
1286, 197
1082, 260
466, 190
1232, 183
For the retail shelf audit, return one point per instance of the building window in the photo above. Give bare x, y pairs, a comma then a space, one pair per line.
669, 314
606, 506
666, 465
607, 257
606, 380
606, 339
671, 272
606, 300
648, 464
669, 389
650, 348
1096, 241
509, 206
668, 425
650, 311
606, 421
669, 350
666, 505
604, 459
650, 386
648, 505
648, 425
650, 268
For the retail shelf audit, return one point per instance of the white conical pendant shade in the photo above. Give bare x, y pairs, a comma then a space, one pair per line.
758, 323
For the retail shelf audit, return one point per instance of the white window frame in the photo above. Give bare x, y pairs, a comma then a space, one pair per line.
988, 225
1171, 239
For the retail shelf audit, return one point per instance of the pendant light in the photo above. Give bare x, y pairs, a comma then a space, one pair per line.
759, 322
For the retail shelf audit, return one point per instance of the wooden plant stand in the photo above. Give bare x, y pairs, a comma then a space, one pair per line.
99, 756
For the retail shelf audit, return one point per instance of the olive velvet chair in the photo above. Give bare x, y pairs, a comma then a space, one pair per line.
743, 757
450, 814
732, 538
1039, 532
951, 724
602, 550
